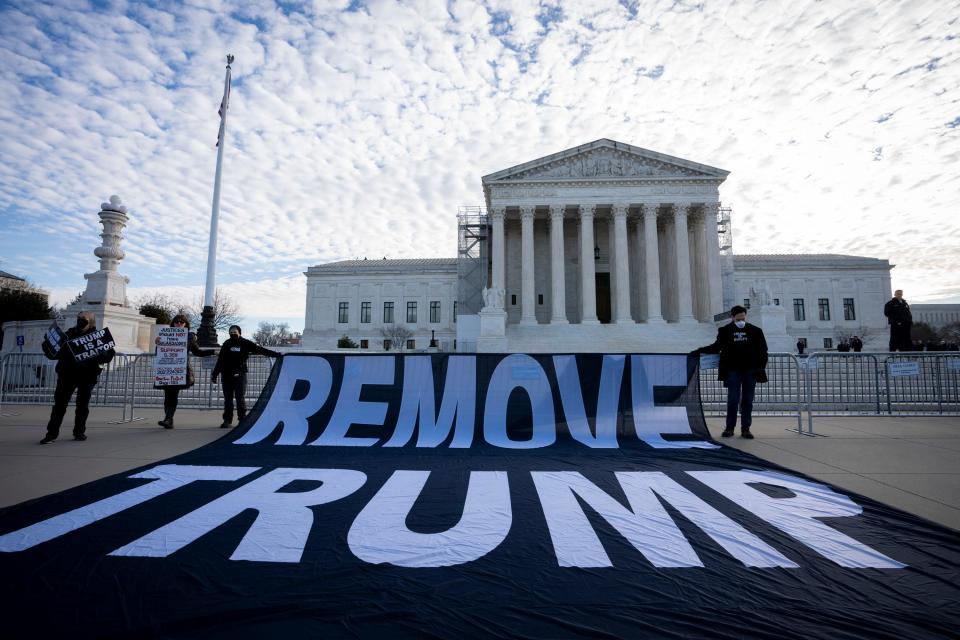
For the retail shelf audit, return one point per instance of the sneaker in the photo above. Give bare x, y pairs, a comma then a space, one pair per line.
47, 439
79, 436
745, 433
166, 423
727, 432
225, 425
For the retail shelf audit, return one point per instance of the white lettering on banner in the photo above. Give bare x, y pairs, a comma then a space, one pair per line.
797, 515
459, 399
646, 524
651, 421
279, 534
608, 400
380, 535
350, 409
168, 477
317, 374
502, 384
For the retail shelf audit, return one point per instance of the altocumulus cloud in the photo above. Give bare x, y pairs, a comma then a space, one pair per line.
358, 128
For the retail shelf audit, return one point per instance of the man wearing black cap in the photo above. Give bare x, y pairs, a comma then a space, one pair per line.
232, 364
743, 360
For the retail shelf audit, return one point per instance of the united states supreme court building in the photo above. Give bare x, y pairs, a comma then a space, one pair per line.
604, 247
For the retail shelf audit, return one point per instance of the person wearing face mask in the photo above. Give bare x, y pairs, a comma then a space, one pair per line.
75, 376
171, 394
232, 365
743, 360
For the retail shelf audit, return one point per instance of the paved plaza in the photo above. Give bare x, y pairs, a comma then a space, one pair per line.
911, 463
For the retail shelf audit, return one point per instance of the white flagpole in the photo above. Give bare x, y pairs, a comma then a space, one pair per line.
207, 335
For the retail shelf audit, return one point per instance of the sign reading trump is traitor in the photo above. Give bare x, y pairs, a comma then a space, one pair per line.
535, 496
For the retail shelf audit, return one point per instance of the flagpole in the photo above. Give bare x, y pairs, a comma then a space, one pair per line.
207, 333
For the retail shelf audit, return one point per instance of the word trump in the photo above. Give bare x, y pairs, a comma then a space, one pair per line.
379, 533
460, 403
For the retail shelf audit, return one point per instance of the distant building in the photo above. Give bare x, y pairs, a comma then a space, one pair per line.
10, 281
936, 315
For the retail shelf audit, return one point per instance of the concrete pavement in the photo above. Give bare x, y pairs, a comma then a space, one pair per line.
911, 463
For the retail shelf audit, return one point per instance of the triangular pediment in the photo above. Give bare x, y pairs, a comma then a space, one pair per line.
606, 159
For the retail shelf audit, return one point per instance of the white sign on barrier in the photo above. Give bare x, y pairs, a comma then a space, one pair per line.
810, 363
709, 361
170, 365
903, 369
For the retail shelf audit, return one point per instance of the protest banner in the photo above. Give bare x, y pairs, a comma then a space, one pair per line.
474, 496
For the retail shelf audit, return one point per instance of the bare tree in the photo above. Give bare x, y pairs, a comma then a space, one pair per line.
398, 335
272, 335
226, 311
951, 332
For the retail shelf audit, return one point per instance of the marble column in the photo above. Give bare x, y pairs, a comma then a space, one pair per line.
638, 291
682, 253
558, 284
651, 255
622, 265
714, 270
528, 310
499, 266
588, 284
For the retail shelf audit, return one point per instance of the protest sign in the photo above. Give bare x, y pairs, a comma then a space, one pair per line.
170, 363
92, 345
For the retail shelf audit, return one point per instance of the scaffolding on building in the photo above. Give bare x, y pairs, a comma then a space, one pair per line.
473, 258
725, 233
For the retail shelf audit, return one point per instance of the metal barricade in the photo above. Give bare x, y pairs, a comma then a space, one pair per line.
781, 395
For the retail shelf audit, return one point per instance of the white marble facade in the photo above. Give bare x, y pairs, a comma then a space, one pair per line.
603, 247
366, 287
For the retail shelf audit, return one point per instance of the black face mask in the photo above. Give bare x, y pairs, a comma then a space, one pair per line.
81, 323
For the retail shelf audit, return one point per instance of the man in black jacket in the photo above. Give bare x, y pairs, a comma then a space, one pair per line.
900, 319
232, 364
75, 376
743, 360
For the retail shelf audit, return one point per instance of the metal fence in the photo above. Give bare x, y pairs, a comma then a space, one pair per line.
126, 382
831, 383
821, 383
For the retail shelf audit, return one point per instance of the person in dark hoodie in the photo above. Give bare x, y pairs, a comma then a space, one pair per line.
171, 394
743, 361
232, 365
75, 376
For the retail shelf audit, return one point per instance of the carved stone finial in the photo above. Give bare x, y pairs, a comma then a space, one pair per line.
114, 205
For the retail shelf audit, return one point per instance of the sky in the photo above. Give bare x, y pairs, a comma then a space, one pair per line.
357, 128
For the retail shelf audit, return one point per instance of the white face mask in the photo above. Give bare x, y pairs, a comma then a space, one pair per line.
740, 324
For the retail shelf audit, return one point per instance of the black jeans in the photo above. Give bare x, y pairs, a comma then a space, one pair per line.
171, 395
900, 337
740, 388
61, 398
234, 388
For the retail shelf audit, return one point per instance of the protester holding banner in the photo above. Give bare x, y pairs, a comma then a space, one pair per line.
78, 368
171, 392
743, 360
232, 364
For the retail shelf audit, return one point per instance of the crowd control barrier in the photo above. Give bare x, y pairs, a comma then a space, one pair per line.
823, 383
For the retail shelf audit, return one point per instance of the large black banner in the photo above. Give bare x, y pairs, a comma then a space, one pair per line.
520, 496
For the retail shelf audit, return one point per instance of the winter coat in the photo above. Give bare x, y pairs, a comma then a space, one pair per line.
86, 371
233, 356
898, 311
740, 349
